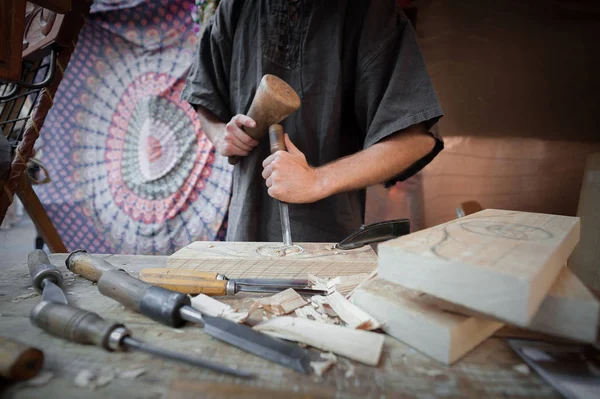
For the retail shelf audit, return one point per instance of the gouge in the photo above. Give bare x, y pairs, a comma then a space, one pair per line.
173, 309
196, 282
45, 277
89, 328
277, 141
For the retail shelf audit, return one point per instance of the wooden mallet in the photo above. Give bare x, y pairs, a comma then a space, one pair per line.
274, 101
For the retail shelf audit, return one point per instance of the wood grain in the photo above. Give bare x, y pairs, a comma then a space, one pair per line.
241, 260
485, 372
414, 319
500, 263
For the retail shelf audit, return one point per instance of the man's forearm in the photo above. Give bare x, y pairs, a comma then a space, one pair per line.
378, 163
211, 125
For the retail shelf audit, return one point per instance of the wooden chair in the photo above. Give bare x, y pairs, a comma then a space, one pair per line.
39, 41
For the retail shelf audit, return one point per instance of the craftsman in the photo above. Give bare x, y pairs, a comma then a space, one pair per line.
367, 107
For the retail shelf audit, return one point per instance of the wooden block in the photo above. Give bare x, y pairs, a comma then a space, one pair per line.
585, 260
240, 259
569, 310
414, 319
501, 263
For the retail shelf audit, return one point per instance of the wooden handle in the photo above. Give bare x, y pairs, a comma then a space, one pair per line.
185, 281
166, 271
87, 266
18, 361
274, 101
276, 138
73, 324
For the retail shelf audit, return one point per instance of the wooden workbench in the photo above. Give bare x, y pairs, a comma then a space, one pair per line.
485, 372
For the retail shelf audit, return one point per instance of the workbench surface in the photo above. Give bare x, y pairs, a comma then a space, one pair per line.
485, 372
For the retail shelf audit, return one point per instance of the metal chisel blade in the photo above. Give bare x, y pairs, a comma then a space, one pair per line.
286, 229
52, 293
259, 344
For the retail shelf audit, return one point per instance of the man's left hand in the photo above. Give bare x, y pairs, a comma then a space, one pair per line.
290, 178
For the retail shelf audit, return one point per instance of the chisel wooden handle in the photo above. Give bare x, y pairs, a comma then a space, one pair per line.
88, 266
276, 138
18, 361
185, 281
166, 271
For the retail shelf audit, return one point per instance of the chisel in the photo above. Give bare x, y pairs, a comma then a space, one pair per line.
54, 316
277, 141
173, 309
198, 282
89, 328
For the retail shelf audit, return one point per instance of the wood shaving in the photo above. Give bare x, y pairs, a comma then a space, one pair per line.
522, 369
211, 246
349, 369
321, 367
282, 303
89, 379
41, 379
132, 374
429, 372
25, 296
329, 247
351, 314
309, 312
212, 307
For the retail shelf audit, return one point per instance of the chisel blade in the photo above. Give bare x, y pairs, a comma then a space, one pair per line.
245, 338
259, 344
52, 293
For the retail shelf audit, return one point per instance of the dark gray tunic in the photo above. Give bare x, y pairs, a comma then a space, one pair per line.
359, 73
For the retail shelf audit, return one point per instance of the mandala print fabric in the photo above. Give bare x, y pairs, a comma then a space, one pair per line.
131, 170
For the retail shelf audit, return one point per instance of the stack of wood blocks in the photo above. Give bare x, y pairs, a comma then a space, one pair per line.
446, 289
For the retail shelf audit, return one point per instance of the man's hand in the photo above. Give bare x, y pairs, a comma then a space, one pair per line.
290, 178
233, 140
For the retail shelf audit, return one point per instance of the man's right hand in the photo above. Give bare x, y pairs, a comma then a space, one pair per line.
233, 140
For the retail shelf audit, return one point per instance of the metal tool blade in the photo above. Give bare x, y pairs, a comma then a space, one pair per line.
375, 233
144, 347
275, 289
245, 338
286, 229
52, 293
290, 283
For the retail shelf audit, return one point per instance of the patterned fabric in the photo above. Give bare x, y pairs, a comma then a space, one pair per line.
132, 171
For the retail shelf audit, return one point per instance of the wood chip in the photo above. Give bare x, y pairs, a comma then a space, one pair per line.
429, 372
522, 369
321, 367
322, 306
308, 312
359, 345
212, 307
84, 378
25, 296
349, 369
351, 314
282, 303
41, 379
132, 374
